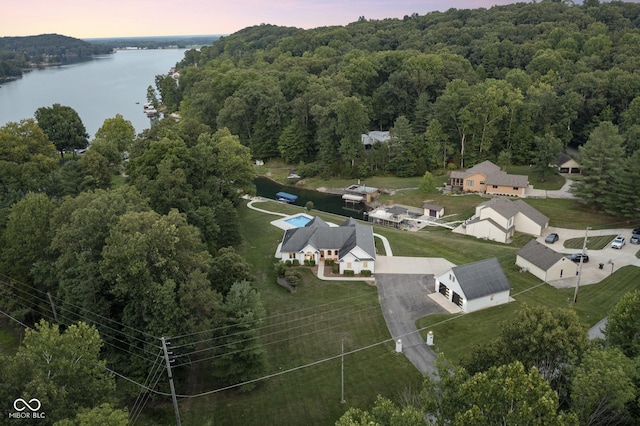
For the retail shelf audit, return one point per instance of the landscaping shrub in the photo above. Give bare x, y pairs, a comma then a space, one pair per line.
349, 273
294, 277
287, 263
306, 262
365, 273
312, 262
280, 269
335, 268
329, 262
295, 262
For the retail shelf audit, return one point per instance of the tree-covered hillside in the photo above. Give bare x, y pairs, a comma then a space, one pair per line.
464, 85
17, 53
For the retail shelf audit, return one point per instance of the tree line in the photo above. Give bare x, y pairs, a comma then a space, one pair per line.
19, 53
455, 87
152, 256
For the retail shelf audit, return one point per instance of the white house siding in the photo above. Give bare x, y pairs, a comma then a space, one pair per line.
489, 213
486, 229
530, 267
564, 268
486, 302
527, 226
351, 262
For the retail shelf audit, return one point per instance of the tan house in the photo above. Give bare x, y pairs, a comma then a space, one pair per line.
567, 165
487, 178
499, 218
544, 262
474, 286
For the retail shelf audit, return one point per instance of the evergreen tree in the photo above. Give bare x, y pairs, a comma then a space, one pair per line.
601, 163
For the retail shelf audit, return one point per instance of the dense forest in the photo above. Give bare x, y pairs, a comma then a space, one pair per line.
137, 237
461, 85
18, 53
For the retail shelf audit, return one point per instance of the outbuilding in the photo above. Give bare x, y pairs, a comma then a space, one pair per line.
475, 286
544, 262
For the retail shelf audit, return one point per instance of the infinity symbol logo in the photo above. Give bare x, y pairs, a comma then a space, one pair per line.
36, 404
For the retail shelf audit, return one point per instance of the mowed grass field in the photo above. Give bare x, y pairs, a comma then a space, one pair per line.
302, 338
305, 329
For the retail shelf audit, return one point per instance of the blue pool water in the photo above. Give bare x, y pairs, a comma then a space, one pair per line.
298, 221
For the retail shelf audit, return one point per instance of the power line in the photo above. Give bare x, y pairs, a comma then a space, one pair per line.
79, 307
268, 318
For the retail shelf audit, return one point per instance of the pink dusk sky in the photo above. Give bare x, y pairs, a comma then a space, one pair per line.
124, 18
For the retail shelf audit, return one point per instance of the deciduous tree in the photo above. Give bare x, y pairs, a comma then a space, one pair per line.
63, 127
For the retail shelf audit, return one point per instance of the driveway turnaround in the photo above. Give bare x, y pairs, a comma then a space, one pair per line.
404, 298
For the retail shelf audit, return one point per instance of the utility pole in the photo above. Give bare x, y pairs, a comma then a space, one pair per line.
53, 307
342, 395
173, 390
584, 248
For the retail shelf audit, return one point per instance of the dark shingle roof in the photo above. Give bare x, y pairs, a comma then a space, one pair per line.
479, 279
540, 255
344, 238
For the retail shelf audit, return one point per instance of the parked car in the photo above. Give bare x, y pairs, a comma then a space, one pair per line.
576, 257
618, 242
635, 236
551, 238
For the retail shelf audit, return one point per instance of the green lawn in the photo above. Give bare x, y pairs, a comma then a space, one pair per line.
552, 181
303, 328
455, 334
593, 243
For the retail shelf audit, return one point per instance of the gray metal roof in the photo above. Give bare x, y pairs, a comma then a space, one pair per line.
540, 255
343, 238
479, 279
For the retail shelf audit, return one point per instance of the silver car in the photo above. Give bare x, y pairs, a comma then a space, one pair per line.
618, 242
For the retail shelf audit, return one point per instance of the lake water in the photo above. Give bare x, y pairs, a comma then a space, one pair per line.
325, 202
96, 89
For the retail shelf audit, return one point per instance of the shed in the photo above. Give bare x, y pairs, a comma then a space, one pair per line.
433, 210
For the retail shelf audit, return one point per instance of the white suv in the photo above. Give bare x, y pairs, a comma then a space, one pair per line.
618, 242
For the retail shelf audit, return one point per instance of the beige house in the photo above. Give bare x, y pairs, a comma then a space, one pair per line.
499, 218
567, 165
545, 263
474, 286
487, 178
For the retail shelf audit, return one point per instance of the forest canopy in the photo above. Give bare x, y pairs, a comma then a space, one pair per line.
465, 85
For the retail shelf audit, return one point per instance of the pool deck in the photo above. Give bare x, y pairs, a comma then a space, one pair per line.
283, 224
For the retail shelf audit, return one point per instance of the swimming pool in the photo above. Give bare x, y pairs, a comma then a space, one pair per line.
298, 221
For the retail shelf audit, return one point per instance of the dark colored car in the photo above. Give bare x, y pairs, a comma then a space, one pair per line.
576, 257
635, 236
551, 238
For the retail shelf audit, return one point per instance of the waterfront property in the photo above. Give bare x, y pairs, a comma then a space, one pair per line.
350, 245
475, 286
286, 197
544, 262
487, 178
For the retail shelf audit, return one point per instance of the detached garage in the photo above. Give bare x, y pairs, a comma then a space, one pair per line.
544, 262
475, 286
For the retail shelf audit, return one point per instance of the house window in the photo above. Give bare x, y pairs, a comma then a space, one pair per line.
495, 186
515, 188
470, 182
292, 255
348, 265
481, 182
365, 264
